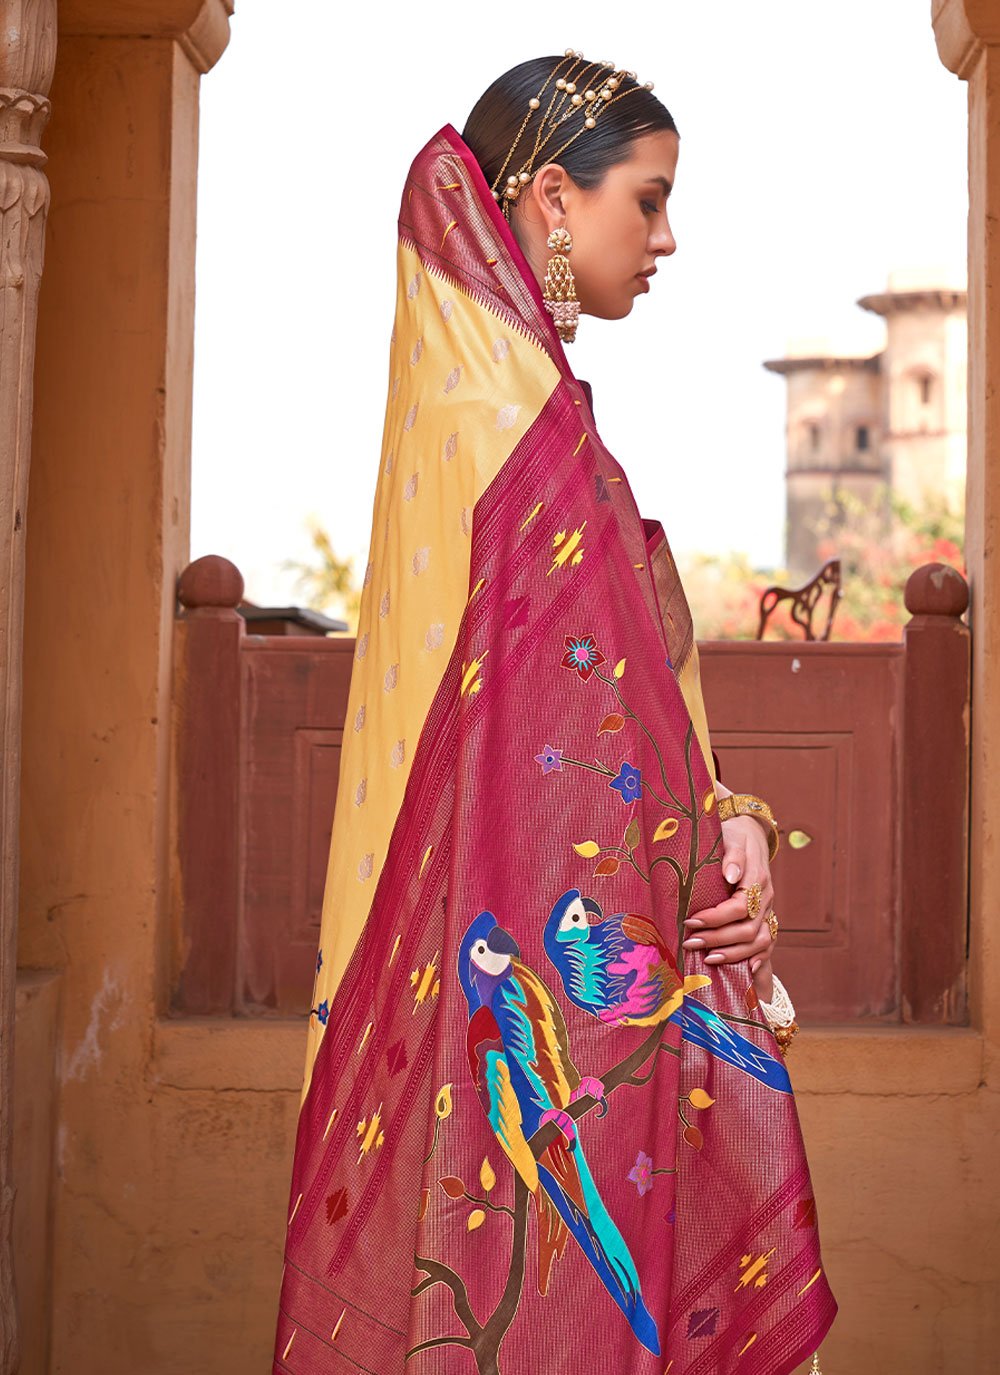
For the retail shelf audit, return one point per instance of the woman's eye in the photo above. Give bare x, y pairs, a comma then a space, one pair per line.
649, 207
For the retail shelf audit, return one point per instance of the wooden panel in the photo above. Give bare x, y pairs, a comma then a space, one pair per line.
295, 693
814, 729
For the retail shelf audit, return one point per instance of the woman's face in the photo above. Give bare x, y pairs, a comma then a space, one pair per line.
620, 228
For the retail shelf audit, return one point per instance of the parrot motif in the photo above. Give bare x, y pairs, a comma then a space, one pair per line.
520, 1062
620, 970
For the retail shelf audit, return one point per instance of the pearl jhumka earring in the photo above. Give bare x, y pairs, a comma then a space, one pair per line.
599, 90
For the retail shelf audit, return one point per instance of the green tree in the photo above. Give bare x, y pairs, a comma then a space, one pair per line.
326, 581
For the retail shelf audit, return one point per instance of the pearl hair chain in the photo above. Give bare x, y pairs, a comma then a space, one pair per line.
583, 91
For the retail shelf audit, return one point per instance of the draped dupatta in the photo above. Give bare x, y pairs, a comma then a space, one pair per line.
536, 1134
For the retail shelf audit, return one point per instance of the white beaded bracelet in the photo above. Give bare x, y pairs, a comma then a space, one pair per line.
779, 1011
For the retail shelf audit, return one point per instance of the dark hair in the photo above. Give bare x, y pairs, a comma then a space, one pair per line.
496, 117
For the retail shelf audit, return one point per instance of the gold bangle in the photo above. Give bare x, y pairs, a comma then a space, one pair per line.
748, 804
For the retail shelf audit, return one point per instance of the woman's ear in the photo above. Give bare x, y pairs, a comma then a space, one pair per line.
548, 189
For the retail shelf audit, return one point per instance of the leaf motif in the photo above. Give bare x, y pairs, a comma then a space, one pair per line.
391, 677
612, 722
395, 1057
476, 1219
450, 447
619, 668
425, 1195
698, 1098
667, 827
501, 348
452, 1186
608, 865
446, 309
421, 559
702, 1322
398, 753
442, 1106
632, 834
418, 349
410, 490
805, 1213
453, 379
486, 1176
361, 792
507, 417
411, 416
365, 866
587, 849
750, 997
336, 1206
694, 1137
708, 801
435, 635
413, 288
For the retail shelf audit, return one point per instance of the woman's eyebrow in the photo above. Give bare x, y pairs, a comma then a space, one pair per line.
663, 183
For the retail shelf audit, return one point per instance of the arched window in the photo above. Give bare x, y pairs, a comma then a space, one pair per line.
862, 438
925, 383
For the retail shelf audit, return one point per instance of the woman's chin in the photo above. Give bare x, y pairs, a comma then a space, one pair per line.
608, 310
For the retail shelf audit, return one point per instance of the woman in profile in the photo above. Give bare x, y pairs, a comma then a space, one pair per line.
547, 1123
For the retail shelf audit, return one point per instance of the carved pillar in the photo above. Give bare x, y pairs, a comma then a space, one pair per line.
27, 62
968, 40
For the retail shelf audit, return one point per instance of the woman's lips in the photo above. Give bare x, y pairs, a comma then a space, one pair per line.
643, 281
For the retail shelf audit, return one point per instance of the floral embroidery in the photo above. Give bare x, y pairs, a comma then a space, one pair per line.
582, 655
322, 1012
628, 782
550, 758
641, 1173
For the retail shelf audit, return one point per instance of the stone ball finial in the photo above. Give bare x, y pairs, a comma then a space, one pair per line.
210, 581
936, 589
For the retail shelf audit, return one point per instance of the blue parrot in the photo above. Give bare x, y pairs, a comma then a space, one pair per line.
620, 970
520, 1062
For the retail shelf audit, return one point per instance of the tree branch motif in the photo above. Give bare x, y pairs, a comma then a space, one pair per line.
485, 1339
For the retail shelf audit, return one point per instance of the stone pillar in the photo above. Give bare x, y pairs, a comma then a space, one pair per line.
27, 61
968, 40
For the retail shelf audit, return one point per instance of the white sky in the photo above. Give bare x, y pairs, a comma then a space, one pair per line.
821, 147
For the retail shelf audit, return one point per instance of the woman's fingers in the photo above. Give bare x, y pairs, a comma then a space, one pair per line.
749, 948
718, 937
730, 909
734, 856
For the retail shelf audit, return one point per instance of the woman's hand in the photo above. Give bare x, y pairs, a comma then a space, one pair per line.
725, 931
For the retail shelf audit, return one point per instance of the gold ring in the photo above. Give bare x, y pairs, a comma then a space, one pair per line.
753, 899
772, 923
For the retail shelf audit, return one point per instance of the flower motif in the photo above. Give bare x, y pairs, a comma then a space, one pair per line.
323, 1012
550, 758
628, 782
641, 1173
582, 654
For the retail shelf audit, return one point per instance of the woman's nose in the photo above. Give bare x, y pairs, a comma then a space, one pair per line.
663, 241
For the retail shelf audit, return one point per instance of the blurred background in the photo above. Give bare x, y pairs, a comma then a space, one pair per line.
823, 157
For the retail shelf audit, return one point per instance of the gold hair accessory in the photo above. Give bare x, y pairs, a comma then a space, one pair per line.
772, 923
559, 290
587, 92
747, 804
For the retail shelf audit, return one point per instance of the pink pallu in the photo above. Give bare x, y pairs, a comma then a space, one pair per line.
539, 1135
